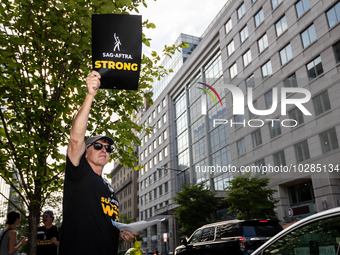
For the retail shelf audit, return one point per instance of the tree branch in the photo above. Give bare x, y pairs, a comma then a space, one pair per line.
19, 209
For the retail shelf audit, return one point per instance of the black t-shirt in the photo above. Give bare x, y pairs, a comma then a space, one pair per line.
45, 246
89, 209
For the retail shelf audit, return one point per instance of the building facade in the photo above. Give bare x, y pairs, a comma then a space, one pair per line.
274, 53
5, 193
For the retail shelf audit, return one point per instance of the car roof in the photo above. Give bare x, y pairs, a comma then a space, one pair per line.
236, 221
320, 215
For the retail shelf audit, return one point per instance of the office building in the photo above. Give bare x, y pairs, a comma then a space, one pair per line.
5, 191
261, 48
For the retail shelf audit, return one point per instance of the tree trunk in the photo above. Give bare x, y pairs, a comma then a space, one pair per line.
33, 221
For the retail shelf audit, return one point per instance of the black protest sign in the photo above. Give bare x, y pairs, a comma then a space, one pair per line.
117, 49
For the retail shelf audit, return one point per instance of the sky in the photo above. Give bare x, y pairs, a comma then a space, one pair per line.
173, 17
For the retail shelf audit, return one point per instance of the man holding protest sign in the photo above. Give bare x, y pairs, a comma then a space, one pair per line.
90, 206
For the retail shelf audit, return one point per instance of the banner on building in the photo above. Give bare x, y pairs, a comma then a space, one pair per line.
117, 49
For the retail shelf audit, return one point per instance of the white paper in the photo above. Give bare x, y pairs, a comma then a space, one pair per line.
135, 226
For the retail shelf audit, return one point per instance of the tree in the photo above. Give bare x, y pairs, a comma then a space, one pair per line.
196, 204
45, 56
249, 197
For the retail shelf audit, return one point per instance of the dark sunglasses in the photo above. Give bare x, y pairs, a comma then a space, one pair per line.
99, 146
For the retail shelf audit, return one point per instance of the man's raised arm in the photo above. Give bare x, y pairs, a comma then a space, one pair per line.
76, 145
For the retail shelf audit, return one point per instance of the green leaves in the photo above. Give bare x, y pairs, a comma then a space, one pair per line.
196, 204
45, 56
249, 198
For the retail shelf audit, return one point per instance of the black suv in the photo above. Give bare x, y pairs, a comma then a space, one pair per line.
229, 237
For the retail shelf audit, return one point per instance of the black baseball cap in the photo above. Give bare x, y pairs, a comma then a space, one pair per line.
93, 139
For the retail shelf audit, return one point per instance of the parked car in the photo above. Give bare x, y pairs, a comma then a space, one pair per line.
229, 237
314, 235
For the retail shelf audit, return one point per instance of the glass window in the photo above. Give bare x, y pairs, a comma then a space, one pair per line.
159, 139
301, 193
329, 140
159, 108
259, 18
150, 148
208, 234
275, 3
286, 54
321, 103
260, 163
238, 121
308, 36
165, 151
318, 237
302, 151
274, 128
290, 81
281, 26
228, 26
252, 115
244, 34
228, 230
155, 193
155, 160
297, 115
231, 48
269, 99
257, 138
164, 103
155, 144
166, 187
195, 237
267, 69
233, 70
247, 58
250, 81
164, 118
160, 190
241, 147
165, 135
336, 48
301, 7
279, 158
333, 15
314, 68
262, 43
241, 11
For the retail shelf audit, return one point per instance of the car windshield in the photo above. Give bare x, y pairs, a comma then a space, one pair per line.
261, 230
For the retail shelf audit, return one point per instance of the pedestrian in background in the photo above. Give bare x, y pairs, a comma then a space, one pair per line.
9, 244
47, 236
